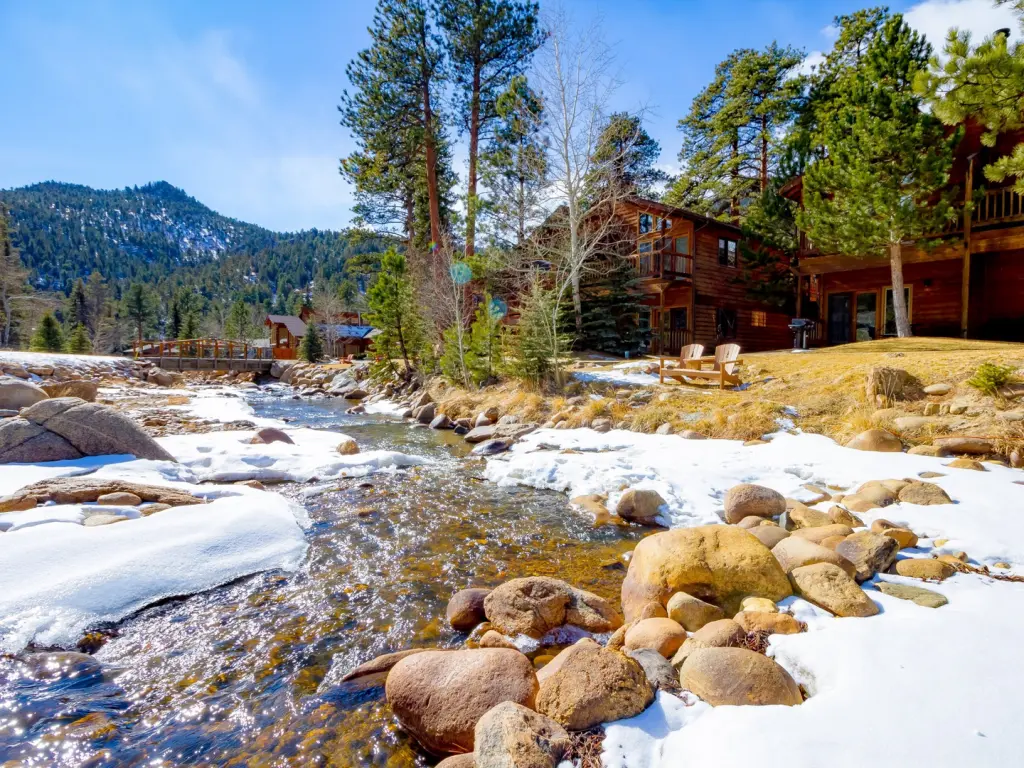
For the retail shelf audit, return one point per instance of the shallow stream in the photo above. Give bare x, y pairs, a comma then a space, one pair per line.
246, 675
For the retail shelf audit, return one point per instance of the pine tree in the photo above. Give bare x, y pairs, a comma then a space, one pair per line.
626, 156
485, 342
535, 349
312, 346
882, 176
47, 337
611, 306
77, 307
238, 324
174, 319
394, 312
78, 341
731, 136
13, 279
138, 308
770, 241
489, 43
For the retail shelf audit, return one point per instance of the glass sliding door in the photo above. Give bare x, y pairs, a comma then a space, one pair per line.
867, 316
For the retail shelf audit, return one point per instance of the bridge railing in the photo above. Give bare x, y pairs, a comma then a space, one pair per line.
211, 349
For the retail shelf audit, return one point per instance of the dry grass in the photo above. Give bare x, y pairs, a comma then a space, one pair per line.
585, 748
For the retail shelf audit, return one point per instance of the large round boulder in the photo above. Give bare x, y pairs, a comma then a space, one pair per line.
535, 605
720, 564
640, 505
438, 696
738, 676
592, 686
924, 494
466, 609
748, 499
16, 394
876, 440
661, 635
795, 552
828, 586
512, 736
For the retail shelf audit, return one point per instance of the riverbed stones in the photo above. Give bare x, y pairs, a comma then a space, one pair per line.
924, 568
379, 665
819, 533
480, 434
926, 598
801, 516
466, 609
796, 552
661, 635
749, 499
715, 634
512, 736
438, 696
494, 639
441, 421
924, 494
737, 676
691, 612
965, 463
119, 499
69, 428
348, 447
80, 490
721, 564
870, 552
594, 685
601, 425
594, 505
965, 445
758, 604
904, 536
640, 505
659, 672
770, 623
769, 535
80, 388
491, 447
535, 605
425, 413
828, 586
269, 435
876, 440
16, 394
840, 516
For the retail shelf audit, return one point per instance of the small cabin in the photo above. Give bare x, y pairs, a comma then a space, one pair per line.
286, 332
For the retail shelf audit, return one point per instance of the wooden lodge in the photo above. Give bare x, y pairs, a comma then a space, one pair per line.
689, 267
965, 281
347, 336
286, 332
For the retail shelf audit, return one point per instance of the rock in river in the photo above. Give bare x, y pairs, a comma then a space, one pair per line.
466, 609
535, 605
16, 394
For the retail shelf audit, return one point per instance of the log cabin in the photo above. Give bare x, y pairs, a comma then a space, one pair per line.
286, 332
689, 270
967, 280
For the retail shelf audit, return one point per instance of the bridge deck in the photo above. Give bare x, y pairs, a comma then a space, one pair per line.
210, 364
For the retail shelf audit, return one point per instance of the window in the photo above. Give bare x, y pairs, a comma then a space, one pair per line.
759, 319
643, 320
661, 224
726, 252
646, 223
645, 247
725, 323
866, 316
889, 328
677, 319
683, 245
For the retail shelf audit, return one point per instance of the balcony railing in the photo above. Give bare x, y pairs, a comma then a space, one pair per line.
670, 342
998, 206
663, 265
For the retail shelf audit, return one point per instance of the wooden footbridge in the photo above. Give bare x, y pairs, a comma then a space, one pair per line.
205, 355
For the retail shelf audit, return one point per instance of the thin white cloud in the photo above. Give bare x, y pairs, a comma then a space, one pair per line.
934, 18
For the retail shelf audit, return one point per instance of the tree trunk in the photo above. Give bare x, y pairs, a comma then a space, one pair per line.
734, 203
431, 162
474, 142
577, 304
899, 304
764, 153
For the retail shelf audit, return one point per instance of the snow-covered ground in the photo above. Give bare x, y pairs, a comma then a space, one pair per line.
70, 361
627, 374
910, 686
221, 404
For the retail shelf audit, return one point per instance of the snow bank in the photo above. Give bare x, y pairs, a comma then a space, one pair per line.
618, 377
228, 457
386, 408
59, 578
221, 404
83, 362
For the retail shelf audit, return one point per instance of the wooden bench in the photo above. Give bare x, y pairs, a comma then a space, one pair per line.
723, 366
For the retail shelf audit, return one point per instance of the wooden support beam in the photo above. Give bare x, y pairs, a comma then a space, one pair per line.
965, 279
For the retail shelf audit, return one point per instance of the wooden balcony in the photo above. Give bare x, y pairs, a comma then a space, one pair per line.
663, 265
670, 342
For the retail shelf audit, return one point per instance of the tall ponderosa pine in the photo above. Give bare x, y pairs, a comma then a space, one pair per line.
513, 164
489, 43
138, 308
731, 136
392, 309
13, 278
47, 337
884, 162
984, 82
393, 110
626, 155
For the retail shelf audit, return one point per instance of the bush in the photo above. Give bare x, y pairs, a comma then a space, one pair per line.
312, 348
47, 337
990, 377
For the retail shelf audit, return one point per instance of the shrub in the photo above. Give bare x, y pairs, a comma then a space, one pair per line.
47, 337
990, 377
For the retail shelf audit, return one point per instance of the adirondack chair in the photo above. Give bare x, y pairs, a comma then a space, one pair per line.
723, 366
689, 358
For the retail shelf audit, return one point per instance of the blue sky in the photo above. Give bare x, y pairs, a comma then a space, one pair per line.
236, 101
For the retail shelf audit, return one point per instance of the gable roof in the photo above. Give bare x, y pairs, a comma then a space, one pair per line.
294, 325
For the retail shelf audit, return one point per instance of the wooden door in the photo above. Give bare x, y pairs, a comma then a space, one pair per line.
840, 318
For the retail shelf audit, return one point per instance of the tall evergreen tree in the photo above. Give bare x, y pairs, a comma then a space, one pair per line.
139, 308
238, 324
13, 278
312, 346
77, 307
611, 307
47, 337
78, 341
731, 136
626, 156
882, 174
394, 312
484, 353
489, 43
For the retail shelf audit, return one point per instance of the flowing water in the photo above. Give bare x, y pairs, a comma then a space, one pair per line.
246, 674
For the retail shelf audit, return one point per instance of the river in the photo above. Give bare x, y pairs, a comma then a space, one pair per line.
242, 675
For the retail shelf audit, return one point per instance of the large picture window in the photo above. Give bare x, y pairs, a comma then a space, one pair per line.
889, 327
725, 323
646, 223
727, 252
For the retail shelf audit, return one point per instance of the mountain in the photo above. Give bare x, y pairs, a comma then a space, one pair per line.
160, 235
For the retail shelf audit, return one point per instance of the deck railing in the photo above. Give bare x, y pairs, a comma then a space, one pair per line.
998, 206
663, 265
213, 349
670, 342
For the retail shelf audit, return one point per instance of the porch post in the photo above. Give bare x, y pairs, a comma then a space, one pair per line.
965, 280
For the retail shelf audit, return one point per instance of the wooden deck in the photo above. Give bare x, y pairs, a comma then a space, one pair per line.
204, 355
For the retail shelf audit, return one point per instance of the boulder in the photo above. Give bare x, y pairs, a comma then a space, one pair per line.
870, 552
965, 463
491, 447
720, 564
640, 505
69, 428
535, 605
886, 382
771, 623
758, 604
482, 420
904, 536
512, 736
119, 499
804, 517
716, 634
479, 434
927, 450
425, 413
271, 435
970, 445
593, 685
441, 421
924, 568
828, 586
16, 394
494, 639
466, 609
379, 665
278, 367
795, 552
593, 504
822, 532
348, 447
938, 389
601, 425
438, 696
924, 494
841, 516
749, 499
926, 598
750, 521
691, 612
769, 535
423, 398
876, 440
738, 676
659, 672
661, 635
80, 490
80, 388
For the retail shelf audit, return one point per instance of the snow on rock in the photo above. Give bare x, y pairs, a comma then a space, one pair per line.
386, 408
229, 457
58, 579
81, 362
